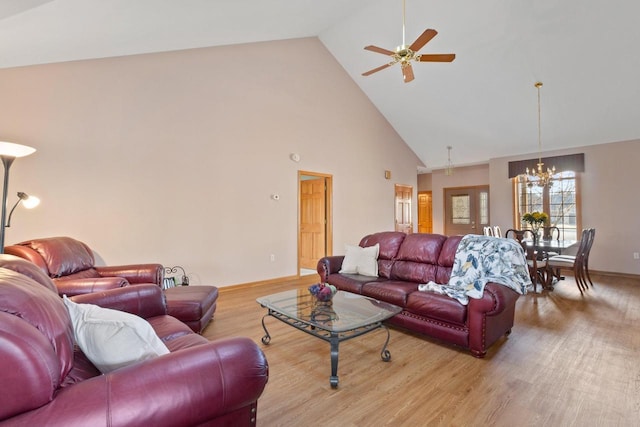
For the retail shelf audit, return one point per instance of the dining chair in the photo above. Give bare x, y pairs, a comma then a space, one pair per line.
497, 231
519, 235
592, 235
551, 233
488, 231
538, 268
575, 262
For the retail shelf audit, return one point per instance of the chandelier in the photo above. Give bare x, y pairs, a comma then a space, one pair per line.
449, 169
539, 176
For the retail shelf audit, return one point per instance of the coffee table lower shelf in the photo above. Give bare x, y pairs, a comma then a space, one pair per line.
333, 338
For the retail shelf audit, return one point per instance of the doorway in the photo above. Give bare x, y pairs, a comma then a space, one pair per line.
425, 212
466, 210
404, 195
315, 230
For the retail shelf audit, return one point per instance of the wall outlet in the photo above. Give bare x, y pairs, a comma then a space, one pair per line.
272, 257
636, 255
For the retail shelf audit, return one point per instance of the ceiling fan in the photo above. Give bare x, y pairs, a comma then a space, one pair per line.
405, 54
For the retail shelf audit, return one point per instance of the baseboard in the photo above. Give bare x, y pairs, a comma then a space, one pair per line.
278, 280
614, 274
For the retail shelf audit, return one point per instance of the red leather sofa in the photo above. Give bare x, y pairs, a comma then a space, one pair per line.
70, 263
46, 380
407, 260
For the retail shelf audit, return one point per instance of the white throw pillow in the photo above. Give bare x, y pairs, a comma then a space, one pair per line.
112, 339
359, 260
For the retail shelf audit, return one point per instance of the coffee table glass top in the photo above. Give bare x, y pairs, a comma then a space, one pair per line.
346, 312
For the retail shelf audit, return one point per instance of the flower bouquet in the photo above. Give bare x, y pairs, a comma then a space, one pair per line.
535, 219
323, 292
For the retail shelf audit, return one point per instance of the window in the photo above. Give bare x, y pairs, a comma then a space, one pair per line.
560, 200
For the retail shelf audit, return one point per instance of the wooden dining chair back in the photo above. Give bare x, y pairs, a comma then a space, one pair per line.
592, 236
575, 262
519, 235
551, 233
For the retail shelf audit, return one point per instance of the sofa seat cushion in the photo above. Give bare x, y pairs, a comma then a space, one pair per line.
391, 291
168, 328
436, 306
351, 282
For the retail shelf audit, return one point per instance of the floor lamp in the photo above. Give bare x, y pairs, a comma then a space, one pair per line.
8, 153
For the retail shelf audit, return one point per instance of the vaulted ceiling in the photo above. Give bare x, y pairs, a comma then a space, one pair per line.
484, 104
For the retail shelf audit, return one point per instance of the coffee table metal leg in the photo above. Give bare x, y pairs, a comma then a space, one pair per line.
385, 355
335, 342
266, 339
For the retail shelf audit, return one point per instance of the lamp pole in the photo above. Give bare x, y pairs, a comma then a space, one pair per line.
8, 153
6, 161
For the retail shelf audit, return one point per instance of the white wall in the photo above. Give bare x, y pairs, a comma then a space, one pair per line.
173, 157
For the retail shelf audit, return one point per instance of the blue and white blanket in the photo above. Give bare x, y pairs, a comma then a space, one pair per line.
483, 259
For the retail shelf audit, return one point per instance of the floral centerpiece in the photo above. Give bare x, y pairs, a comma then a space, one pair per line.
535, 220
323, 291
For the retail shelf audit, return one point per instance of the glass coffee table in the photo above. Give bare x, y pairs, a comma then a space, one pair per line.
347, 316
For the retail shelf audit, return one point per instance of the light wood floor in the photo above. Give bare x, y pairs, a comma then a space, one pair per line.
570, 361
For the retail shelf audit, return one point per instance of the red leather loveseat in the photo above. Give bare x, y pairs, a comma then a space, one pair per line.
407, 260
47, 381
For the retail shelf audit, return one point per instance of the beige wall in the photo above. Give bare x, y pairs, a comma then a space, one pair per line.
462, 177
173, 157
610, 201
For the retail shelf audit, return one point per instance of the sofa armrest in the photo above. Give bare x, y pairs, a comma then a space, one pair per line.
490, 317
189, 387
146, 300
329, 265
134, 273
496, 299
72, 287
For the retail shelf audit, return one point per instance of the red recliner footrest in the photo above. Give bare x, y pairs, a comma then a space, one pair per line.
193, 305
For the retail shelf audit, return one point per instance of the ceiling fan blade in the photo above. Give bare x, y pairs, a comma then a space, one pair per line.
423, 39
407, 72
436, 57
379, 50
375, 70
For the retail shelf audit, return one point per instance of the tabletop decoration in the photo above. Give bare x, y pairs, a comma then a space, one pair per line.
323, 292
535, 220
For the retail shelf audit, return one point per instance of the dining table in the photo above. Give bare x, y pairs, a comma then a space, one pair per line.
552, 245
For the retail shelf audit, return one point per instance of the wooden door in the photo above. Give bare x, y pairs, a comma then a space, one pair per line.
466, 210
425, 212
314, 231
404, 195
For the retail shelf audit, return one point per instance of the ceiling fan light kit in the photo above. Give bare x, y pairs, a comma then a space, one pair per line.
405, 54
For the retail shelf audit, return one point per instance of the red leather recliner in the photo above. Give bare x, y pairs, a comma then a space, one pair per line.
45, 380
70, 263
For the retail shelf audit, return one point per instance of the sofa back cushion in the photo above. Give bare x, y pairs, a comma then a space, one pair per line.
417, 258
389, 242
36, 343
62, 255
446, 259
22, 266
